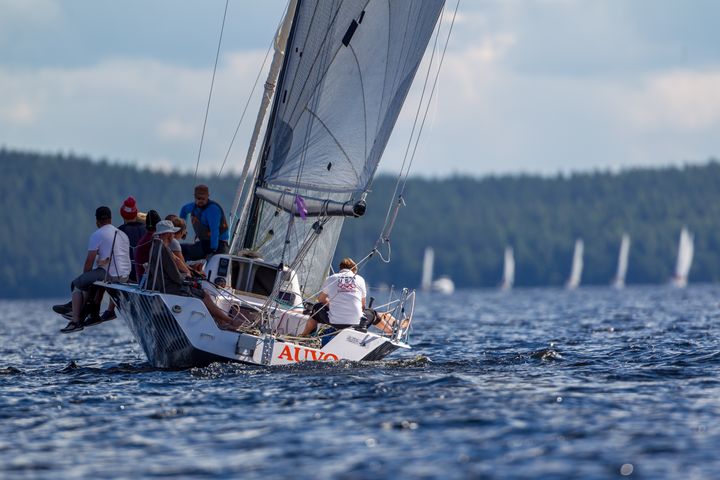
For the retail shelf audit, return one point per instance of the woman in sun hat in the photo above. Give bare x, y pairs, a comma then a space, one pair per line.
164, 276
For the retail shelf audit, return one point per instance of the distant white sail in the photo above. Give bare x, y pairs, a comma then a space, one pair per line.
577, 266
444, 284
686, 249
427, 269
619, 280
508, 269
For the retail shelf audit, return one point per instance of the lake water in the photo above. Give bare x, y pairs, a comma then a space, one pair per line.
587, 384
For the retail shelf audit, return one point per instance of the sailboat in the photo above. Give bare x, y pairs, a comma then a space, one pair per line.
508, 269
577, 266
619, 280
443, 284
686, 249
339, 77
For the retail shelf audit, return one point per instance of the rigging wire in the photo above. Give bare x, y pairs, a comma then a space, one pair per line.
242, 116
212, 84
412, 133
432, 93
398, 199
250, 96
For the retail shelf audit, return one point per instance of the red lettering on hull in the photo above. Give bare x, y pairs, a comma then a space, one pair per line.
301, 354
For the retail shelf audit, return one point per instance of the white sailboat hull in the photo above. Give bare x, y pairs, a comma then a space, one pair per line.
178, 332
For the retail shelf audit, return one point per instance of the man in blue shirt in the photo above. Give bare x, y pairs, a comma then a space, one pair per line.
210, 225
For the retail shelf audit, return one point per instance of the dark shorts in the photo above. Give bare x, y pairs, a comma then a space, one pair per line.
85, 280
319, 313
370, 317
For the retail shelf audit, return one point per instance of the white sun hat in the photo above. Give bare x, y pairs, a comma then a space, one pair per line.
165, 226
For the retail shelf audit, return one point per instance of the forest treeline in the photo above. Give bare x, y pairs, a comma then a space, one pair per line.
49, 201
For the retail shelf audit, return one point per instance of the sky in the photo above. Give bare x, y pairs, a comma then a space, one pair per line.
527, 86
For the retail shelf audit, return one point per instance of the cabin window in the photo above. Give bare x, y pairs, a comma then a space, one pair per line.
252, 277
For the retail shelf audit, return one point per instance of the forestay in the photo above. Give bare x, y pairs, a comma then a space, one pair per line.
348, 68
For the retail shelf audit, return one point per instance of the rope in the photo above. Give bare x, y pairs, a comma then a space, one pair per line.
212, 84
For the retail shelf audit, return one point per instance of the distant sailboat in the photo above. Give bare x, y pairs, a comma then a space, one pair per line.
686, 249
577, 266
619, 280
508, 269
441, 285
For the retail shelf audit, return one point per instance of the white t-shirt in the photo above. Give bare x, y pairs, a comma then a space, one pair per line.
101, 241
346, 291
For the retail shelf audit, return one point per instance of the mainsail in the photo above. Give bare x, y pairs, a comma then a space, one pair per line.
348, 66
686, 250
619, 280
508, 269
577, 265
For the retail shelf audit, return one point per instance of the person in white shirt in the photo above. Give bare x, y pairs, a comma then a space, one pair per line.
108, 258
341, 303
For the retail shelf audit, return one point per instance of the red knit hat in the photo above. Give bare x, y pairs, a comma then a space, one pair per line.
128, 211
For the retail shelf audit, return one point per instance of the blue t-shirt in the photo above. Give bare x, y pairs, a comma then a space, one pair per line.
210, 216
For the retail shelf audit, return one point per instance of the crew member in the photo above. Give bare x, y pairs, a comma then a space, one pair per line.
210, 226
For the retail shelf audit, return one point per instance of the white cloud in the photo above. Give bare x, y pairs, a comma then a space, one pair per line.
176, 129
129, 108
20, 113
677, 100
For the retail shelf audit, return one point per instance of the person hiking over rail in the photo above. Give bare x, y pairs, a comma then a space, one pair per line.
108, 257
210, 225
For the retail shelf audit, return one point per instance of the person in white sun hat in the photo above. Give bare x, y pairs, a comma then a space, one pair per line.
164, 276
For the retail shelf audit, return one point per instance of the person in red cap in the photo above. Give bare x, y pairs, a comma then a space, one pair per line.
132, 228
135, 230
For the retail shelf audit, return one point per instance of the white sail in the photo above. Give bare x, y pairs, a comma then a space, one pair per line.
508, 269
577, 266
444, 284
347, 70
619, 280
686, 250
427, 269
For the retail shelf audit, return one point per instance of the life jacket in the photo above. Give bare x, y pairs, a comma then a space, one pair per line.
202, 231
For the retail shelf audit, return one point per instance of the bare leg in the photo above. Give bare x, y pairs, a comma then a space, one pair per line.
217, 313
387, 321
310, 327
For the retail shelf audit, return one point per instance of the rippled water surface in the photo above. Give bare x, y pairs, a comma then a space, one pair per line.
587, 384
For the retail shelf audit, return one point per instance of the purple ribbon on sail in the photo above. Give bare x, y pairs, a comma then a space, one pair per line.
300, 206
